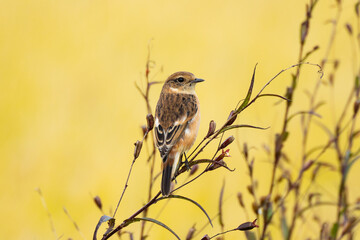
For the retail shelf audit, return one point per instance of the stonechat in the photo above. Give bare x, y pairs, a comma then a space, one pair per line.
177, 119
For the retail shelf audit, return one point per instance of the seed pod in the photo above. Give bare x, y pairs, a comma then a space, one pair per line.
150, 121
304, 31
277, 198
255, 208
227, 142
349, 28
247, 226
191, 232
250, 189
232, 117
138, 146
194, 169
289, 93
246, 151
356, 107
206, 237
212, 127
263, 200
97, 201
331, 79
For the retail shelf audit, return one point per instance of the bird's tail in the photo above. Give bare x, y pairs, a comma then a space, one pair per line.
170, 163
166, 180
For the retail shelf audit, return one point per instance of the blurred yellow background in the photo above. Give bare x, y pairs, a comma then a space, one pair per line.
70, 112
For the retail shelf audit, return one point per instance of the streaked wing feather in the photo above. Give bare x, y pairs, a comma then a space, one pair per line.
171, 122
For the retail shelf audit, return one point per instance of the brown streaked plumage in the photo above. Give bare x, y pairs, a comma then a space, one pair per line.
177, 119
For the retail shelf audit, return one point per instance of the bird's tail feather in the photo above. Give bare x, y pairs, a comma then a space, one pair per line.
166, 180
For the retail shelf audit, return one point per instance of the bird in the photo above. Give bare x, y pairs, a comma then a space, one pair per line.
177, 120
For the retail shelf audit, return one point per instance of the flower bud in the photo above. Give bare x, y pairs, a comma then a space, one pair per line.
304, 31
150, 121
349, 28
232, 117
247, 226
250, 189
263, 200
194, 169
212, 127
239, 196
222, 155
246, 151
138, 146
97, 201
227, 142
255, 207
277, 198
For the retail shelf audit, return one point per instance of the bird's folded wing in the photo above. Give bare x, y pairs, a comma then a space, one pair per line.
173, 114
166, 139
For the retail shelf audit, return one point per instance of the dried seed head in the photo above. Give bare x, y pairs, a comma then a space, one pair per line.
191, 232
194, 169
227, 142
97, 201
150, 121
232, 117
240, 198
138, 146
247, 226
212, 128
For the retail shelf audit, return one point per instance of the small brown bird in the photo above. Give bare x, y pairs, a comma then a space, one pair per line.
177, 119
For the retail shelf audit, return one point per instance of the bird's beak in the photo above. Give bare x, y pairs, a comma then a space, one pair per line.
197, 80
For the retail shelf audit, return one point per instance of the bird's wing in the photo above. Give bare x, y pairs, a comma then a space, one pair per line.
173, 113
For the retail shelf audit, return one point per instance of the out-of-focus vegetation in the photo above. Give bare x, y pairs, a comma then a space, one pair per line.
70, 114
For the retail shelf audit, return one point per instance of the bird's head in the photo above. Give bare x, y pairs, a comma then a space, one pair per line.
182, 82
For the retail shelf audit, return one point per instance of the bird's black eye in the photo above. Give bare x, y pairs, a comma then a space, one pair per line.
180, 79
